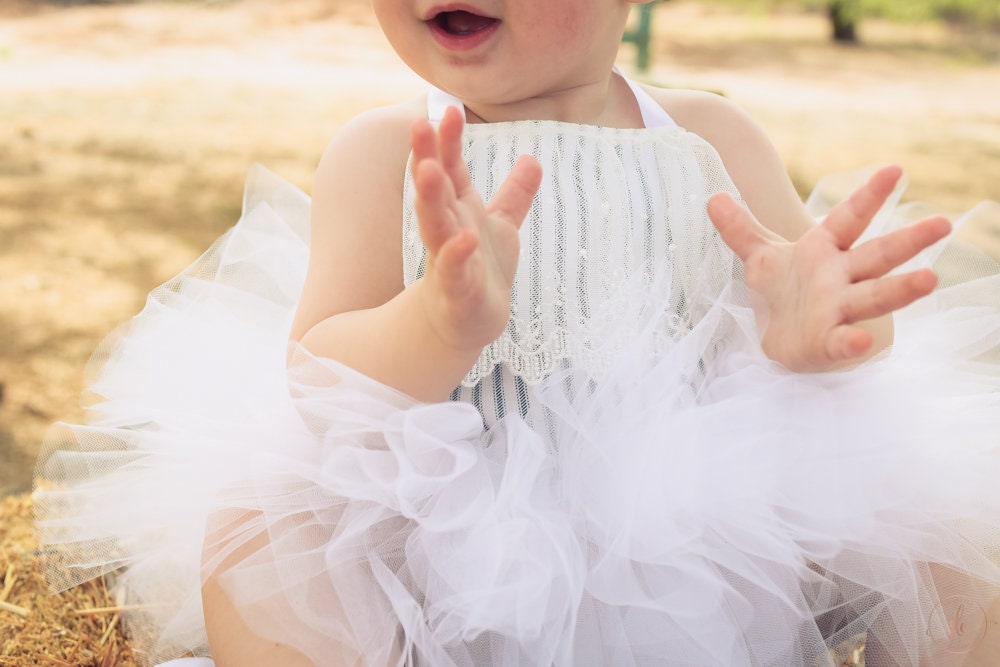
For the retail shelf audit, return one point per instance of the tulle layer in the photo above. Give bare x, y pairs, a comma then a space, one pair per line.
691, 503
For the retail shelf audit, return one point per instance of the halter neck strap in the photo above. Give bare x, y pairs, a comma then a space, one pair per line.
653, 114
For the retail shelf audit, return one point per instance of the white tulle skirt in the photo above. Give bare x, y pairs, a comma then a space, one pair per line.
673, 511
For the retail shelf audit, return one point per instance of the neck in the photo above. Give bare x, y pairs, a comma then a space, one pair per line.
606, 102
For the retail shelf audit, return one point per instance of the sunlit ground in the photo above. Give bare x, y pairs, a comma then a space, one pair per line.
126, 131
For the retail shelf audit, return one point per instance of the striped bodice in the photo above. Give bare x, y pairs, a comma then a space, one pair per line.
614, 204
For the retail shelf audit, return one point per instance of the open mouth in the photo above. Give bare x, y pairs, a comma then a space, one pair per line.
460, 23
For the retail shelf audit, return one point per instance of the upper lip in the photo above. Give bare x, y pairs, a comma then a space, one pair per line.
437, 10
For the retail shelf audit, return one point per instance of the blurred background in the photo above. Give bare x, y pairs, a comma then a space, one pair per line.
126, 130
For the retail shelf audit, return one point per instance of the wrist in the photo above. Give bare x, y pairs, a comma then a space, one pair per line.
455, 326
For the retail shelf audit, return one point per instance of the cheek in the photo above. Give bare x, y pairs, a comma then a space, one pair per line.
567, 23
396, 31
389, 17
560, 30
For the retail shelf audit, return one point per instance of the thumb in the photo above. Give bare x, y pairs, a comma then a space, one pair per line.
737, 226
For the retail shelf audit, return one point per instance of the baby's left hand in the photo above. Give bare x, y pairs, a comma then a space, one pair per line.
820, 288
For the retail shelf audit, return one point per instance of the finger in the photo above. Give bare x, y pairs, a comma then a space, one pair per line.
879, 256
848, 219
433, 205
513, 199
737, 226
875, 298
449, 147
848, 342
422, 143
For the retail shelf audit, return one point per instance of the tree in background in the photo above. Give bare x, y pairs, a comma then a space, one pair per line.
844, 17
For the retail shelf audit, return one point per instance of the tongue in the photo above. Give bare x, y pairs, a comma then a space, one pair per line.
465, 23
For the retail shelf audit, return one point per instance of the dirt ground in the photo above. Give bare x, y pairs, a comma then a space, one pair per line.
126, 131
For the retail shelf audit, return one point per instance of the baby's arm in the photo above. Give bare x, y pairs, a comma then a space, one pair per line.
829, 303
422, 340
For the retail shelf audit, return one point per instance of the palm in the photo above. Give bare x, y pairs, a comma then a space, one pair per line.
820, 288
472, 247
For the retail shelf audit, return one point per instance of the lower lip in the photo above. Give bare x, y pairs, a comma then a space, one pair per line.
454, 42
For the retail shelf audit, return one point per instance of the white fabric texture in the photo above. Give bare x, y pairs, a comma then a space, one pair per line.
624, 478
188, 662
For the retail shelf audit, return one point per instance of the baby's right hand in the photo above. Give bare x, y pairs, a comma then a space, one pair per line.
472, 248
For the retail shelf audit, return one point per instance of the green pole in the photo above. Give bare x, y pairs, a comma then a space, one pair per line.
640, 36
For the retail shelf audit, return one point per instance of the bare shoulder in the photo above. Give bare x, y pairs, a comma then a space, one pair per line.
714, 118
356, 219
366, 157
747, 153
370, 144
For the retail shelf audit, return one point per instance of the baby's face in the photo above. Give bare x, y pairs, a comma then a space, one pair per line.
504, 51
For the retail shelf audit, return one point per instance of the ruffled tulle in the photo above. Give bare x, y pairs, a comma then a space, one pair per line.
691, 503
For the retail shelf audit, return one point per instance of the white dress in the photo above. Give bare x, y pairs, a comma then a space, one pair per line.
622, 479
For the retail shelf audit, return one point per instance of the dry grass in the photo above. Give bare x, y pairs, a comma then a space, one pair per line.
78, 628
